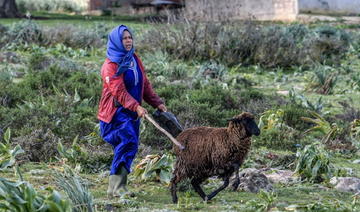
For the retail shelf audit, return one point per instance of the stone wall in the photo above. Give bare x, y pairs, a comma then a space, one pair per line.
219, 10
347, 7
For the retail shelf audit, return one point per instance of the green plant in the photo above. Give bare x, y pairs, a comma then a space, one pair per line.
265, 201
25, 32
250, 43
76, 189
355, 128
74, 154
313, 163
272, 119
20, 195
54, 5
323, 80
321, 125
292, 116
155, 167
298, 99
8, 155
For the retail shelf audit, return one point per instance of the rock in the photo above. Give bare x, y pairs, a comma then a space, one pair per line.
252, 180
285, 93
356, 161
346, 184
280, 176
10, 57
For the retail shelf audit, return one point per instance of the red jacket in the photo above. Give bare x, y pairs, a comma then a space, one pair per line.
114, 87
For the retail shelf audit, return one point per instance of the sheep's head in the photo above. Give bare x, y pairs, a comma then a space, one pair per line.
247, 122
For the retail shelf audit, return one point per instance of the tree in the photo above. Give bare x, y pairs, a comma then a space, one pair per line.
8, 9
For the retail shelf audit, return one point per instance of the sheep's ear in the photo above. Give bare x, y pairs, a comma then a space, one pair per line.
232, 119
235, 120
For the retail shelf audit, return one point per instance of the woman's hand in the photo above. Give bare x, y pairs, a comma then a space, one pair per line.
141, 111
162, 108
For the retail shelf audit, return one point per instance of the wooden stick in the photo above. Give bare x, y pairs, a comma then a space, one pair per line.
165, 132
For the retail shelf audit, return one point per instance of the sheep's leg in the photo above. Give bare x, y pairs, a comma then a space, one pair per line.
236, 182
173, 183
196, 185
213, 194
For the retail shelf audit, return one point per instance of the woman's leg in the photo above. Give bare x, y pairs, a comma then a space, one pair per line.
125, 151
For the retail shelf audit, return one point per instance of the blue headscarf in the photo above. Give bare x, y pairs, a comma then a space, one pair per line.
116, 51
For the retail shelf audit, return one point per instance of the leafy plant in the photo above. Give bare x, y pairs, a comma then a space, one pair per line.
321, 125
155, 167
8, 155
272, 119
73, 154
323, 80
313, 163
20, 195
265, 201
355, 128
299, 99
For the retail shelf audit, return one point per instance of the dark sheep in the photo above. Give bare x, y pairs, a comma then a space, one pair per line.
211, 152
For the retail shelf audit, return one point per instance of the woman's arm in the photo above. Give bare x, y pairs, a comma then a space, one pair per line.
117, 87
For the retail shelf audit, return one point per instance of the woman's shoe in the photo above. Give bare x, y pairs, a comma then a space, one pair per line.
113, 182
120, 189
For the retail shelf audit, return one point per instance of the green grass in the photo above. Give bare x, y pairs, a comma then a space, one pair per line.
54, 19
155, 196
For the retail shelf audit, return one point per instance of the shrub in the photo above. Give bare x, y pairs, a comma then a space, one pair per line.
302, 102
91, 159
53, 5
349, 112
27, 32
232, 44
159, 65
39, 146
327, 129
292, 116
313, 163
280, 139
75, 37
24, 32
323, 80
329, 44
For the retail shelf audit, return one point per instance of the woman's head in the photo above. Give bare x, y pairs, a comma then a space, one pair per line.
120, 45
127, 40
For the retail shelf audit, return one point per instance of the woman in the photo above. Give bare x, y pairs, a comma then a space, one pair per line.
125, 85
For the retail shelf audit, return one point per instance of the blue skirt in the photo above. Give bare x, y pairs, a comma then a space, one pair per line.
123, 134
